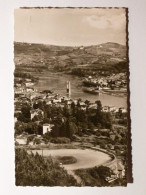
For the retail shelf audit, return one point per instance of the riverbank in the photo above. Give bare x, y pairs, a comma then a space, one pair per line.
56, 82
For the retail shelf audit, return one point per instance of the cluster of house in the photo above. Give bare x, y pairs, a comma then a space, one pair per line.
27, 94
114, 80
23, 85
113, 109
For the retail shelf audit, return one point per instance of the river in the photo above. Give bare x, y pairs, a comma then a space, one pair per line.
57, 83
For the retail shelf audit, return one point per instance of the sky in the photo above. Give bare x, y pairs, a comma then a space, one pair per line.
70, 26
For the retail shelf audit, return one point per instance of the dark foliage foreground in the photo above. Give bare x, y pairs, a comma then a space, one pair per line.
34, 170
94, 176
97, 177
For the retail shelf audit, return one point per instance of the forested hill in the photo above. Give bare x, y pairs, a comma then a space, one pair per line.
68, 58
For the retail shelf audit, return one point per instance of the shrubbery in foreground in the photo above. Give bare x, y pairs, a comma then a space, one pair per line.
96, 176
34, 170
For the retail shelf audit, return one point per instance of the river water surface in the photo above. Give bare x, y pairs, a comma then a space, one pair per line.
57, 83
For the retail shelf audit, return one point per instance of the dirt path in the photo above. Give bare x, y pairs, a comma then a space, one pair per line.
77, 178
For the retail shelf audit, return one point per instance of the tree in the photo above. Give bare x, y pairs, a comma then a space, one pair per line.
81, 116
20, 127
36, 141
40, 129
108, 118
104, 171
99, 105
24, 116
35, 118
71, 129
78, 103
68, 128
55, 130
98, 116
87, 102
32, 128
66, 112
25, 110
90, 125
41, 105
34, 170
63, 130
73, 107
30, 139
46, 120
35, 106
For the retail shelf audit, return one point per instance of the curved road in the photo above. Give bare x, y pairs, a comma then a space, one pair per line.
86, 158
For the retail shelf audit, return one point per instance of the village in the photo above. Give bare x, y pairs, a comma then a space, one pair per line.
26, 93
37, 127
115, 84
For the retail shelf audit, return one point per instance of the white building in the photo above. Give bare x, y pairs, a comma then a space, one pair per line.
29, 90
29, 84
28, 80
105, 109
82, 105
36, 112
112, 108
123, 110
48, 102
57, 100
47, 128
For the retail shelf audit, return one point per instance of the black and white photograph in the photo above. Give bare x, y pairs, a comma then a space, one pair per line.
71, 97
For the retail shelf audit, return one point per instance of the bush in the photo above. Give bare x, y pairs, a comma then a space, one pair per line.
80, 133
95, 176
36, 141
122, 122
60, 140
30, 139
67, 160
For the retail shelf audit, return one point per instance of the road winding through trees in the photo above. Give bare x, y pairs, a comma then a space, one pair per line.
86, 158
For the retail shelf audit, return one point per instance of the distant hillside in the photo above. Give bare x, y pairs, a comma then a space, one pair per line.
39, 56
